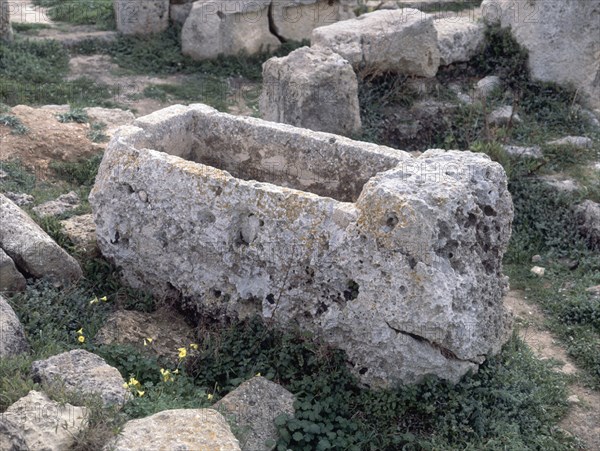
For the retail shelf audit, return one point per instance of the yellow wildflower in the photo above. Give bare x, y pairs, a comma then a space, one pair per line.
125, 385
257, 374
194, 346
140, 393
81, 339
176, 371
104, 299
80, 331
133, 382
166, 374
148, 341
94, 301
209, 396
182, 353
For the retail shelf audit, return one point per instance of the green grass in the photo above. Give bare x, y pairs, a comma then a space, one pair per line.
81, 12
29, 28
34, 72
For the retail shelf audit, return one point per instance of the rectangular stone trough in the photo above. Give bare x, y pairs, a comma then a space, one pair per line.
394, 259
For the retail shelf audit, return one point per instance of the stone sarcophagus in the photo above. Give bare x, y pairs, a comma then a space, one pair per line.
395, 259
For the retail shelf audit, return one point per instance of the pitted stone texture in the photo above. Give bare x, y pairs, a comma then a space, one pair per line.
31, 248
82, 371
227, 27
179, 429
394, 259
311, 88
141, 17
458, 41
402, 41
11, 437
253, 407
561, 37
45, 424
10, 277
12, 335
296, 19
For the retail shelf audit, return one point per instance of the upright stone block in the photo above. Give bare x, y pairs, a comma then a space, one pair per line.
311, 88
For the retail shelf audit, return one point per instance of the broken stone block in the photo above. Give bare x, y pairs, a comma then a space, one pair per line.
402, 41
82, 372
141, 17
62, 204
178, 429
561, 39
395, 259
227, 27
253, 407
10, 278
45, 424
311, 88
12, 334
458, 41
294, 20
81, 230
32, 250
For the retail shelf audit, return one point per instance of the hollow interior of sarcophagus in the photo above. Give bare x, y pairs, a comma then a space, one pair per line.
307, 161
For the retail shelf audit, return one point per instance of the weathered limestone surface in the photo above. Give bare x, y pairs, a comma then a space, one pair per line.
395, 259
402, 41
45, 424
587, 215
84, 372
562, 37
227, 27
311, 88
31, 248
179, 429
253, 407
12, 335
296, 19
10, 277
140, 17
458, 41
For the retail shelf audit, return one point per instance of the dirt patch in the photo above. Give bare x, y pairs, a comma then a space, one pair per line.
583, 419
47, 140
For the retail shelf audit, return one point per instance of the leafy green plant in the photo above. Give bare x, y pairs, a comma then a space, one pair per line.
77, 115
15, 124
97, 132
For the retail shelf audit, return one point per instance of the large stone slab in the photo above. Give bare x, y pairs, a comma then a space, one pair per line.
179, 429
32, 250
311, 88
12, 334
82, 372
45, 424
296, 19
227, 27
394, 259
253, 407
402, 41
141, 17
562, 37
